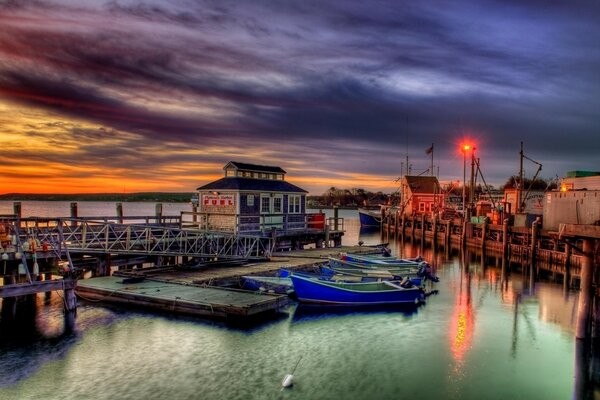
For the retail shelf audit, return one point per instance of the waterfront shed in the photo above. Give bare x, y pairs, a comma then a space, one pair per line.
252, 199
421, 194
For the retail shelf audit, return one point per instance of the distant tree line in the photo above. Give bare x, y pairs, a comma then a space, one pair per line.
355, 197
158, 197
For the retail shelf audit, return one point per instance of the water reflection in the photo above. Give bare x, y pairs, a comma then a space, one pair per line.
310, 312
463, 318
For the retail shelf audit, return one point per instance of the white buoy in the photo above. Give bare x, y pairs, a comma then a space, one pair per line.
288, 381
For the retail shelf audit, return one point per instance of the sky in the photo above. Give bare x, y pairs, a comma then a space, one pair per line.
132, 96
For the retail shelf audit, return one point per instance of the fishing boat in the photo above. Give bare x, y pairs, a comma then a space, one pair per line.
369, 217
312, 290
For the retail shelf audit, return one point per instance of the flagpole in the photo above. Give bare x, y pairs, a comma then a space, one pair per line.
431, 159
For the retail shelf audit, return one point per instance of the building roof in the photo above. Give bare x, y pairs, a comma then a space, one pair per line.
251, 184
422, 184
255, 167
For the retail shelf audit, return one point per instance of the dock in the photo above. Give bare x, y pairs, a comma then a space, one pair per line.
207, 292
178, 298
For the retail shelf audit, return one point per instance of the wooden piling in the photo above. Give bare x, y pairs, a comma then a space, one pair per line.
74, 210
70, 310
119, 212
434, 229
158, 209
336, 213
483, 234
403, 224
582, 329
17, 209
567, 267
422, 228
505, 246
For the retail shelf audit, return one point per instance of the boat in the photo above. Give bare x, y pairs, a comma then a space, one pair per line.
369, 275
377, 259
404, 268
312, 290
369, 217
274, 284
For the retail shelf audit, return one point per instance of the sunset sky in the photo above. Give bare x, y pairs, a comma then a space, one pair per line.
130, 96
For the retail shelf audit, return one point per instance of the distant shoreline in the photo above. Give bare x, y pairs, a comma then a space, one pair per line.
167, 197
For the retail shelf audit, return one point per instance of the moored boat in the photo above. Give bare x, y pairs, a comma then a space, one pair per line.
275, 284
313, 290
369, 217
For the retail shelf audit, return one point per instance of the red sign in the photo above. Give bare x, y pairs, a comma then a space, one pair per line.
221, 200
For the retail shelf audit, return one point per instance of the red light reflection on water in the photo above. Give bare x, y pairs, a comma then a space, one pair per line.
461, 328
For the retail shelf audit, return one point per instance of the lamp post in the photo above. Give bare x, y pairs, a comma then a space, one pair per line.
464, 149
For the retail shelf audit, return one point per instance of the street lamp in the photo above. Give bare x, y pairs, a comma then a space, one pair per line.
465, 148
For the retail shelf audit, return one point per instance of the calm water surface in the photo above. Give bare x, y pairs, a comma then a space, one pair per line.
484, 335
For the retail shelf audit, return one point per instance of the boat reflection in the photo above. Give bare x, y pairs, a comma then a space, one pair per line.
310, 312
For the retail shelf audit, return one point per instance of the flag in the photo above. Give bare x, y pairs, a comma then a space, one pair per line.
430, 149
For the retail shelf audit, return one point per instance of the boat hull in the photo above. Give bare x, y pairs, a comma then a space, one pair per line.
312, 290
369, 217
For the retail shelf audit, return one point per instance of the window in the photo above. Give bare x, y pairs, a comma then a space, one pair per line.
230, 172
250, 200
422, 207
279, 177
265, 204
277, 204
294, 205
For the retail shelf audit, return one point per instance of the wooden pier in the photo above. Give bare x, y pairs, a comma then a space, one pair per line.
525, 245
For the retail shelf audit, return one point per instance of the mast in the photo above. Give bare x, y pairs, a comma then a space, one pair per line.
520, 187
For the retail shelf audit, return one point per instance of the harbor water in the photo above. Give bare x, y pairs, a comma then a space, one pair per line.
483, 334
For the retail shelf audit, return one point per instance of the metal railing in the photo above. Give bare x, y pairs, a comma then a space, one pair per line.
259, 224
90, 236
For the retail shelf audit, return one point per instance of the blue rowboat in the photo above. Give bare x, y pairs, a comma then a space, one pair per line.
369, 275
412, 269
312, 290
381, 260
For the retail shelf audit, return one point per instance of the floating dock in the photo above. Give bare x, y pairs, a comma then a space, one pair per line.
179, 298
200, 291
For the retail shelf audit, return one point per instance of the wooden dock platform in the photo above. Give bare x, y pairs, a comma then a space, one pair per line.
201, 291
178, 298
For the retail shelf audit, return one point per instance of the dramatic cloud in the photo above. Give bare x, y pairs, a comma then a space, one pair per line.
157, 95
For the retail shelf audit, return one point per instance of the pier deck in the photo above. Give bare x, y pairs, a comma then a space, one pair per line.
179, 298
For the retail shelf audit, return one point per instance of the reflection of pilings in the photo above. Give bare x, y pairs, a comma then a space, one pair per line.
9, 304
581, 387
515, 332
583, 326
